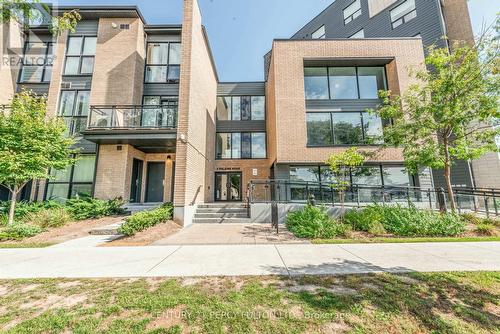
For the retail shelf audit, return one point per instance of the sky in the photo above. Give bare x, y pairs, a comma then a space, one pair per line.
241, 31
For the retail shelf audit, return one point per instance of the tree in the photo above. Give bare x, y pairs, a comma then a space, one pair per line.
450, 113
30, 144
23, 12
341, 164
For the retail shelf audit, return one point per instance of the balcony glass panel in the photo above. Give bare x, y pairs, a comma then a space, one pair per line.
159, 116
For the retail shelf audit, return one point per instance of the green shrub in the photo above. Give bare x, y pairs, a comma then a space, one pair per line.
23, 209
407, 222
19, 231
146, 219
491, 221
49, 218
486, 229
472, 218
89, 208
377, 228
313, 222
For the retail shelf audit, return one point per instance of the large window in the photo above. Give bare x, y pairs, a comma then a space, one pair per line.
163, 63
241, 108
80, 55
343, 128
72, 182
74, 109
352, 11
159, 111
37, 62
343, 83
320, 33
403, 13
241, 145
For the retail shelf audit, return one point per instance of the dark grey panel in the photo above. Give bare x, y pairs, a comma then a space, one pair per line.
86, 28
161, 89
241, 126
428, 23
85, 146
241, 88
76, 82
461, 176
353, 61
164, 38
341, 105
38, 88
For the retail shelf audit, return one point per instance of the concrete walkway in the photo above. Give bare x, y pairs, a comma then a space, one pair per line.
237, 260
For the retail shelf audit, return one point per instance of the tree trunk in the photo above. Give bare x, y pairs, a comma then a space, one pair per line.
12, 209
447, 176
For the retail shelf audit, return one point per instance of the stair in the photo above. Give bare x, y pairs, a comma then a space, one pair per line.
220, 213
132, 208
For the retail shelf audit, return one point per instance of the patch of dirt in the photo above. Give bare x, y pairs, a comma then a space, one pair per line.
337, 290
168, 319
74, 230
54, 301
146, 237
30, 287
65, 285
3, 290
335, 327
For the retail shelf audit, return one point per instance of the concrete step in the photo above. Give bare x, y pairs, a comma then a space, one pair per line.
222, 210
221, 221
222, 205
107, 230
220, 215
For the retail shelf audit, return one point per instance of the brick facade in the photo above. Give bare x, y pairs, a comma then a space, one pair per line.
286, 99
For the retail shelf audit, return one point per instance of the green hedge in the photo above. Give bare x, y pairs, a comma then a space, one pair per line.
313, 222
406, 222
19, 231
146, 219
91, 208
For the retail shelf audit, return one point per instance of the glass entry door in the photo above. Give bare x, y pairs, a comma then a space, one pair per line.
228, 187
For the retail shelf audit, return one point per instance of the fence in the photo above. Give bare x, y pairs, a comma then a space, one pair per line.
485, 201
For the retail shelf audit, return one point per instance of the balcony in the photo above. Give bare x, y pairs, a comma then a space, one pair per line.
133, 117
152, 129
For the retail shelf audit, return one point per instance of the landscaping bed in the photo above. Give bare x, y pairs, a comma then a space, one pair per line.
148, 236
51, 223
382, 303
378, 223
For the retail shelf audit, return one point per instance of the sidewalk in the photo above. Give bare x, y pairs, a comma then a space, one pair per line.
242, 260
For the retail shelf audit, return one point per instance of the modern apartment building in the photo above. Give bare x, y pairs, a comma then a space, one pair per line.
155, 124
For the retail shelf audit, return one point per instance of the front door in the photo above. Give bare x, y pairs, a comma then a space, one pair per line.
228, 187
136, 185
155, 182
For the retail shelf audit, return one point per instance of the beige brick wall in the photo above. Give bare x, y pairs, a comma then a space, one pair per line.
458, 22
197, 104
246, 168
376, 6
11, 45
286, 100
114, 172
119, 63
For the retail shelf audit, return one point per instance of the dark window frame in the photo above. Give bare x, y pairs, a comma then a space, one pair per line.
353, 16
241, 145
241, 114
357, 80
167, 65
70, 182
403, 19
45, 64
332, 129
73, 117
81, 56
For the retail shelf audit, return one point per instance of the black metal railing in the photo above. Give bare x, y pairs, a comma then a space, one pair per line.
485, 201
112, 117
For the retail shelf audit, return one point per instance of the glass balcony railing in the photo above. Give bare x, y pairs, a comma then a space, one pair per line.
133, 117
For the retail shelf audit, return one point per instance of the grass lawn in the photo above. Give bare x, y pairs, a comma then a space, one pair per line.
383, 303
26, 245
402, 240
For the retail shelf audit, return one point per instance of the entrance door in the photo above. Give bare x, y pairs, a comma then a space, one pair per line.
136, 185
228, 187
155, 182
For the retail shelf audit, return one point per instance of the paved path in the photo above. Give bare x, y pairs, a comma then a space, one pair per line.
236, 260
230, 234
